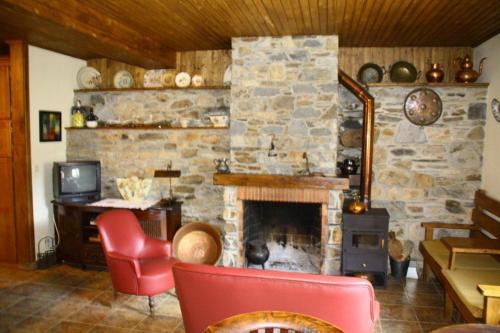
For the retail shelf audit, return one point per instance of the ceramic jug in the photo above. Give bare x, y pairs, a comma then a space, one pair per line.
222, 165
466, 73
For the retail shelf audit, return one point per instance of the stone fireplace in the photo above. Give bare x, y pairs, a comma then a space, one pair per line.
284, 95
291, 231
298, 217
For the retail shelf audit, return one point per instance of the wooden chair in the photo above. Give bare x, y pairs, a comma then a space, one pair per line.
269, 321
469, 268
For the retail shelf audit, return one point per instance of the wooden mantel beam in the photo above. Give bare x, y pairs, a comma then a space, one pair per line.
82, 30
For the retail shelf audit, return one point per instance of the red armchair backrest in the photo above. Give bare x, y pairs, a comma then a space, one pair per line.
121, 232
208, 294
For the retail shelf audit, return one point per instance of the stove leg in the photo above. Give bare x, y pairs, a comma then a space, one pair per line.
263, 266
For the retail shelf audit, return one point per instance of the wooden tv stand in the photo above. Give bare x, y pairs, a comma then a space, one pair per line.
78, 233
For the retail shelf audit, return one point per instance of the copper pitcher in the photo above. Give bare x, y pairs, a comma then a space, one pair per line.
466, 73
435, 74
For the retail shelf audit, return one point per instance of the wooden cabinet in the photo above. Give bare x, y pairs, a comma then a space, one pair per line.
78, 241
364, 244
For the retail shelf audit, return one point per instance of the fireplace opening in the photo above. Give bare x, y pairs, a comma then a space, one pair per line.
291, 231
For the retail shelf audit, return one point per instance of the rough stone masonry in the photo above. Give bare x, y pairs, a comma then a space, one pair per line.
284, 91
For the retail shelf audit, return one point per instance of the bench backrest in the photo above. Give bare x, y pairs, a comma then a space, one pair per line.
486, 213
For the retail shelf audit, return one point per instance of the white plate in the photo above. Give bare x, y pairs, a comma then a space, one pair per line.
197, 80
227, 76
88, 78
183, 80
123, 79
153, 78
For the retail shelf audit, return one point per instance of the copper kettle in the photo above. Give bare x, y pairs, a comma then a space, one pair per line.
465, 73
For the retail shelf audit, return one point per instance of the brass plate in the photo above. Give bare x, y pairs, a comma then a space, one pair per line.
423, 107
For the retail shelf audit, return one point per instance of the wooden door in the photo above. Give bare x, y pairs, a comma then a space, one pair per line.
8, 251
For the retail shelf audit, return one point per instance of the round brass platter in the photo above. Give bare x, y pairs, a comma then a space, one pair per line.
197, 243
423, 106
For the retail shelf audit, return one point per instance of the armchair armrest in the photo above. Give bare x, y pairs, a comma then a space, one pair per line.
156, 248
123, 260
430, 226
491, 294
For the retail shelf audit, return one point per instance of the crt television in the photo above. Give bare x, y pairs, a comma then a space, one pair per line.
77, 181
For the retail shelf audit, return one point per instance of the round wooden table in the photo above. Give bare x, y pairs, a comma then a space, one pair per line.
253, 321
469, 328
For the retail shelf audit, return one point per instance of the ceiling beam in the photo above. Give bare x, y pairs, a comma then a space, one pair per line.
78, 30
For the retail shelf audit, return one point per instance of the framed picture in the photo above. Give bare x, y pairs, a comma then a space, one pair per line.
50, 126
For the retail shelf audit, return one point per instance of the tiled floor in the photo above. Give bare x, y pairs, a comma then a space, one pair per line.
67, 299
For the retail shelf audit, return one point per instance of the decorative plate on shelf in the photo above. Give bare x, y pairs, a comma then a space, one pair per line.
168, 79
153, 78
423, 106
197, 80
88, 78
123, 79
227, 76
495, 108
183, 80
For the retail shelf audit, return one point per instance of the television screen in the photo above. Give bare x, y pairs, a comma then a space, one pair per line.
78, 178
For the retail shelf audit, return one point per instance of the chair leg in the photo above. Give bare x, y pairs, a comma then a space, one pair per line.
151, 305
427, 273
448, 307
115, 298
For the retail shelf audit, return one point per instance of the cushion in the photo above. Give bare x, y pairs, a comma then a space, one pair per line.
464, 283
441, 254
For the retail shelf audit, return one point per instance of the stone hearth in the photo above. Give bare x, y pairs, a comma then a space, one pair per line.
329, 200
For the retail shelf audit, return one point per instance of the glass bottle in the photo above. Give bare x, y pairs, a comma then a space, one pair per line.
78, 120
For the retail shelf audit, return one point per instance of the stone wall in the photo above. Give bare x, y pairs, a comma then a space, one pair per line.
157, 106
124, 153
284, 88
424, 174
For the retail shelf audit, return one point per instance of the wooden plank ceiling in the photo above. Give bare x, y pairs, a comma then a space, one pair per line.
148, 32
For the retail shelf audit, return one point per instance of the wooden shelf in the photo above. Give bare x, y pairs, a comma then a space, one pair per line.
143, 127
152, 89
435, 85
281, 181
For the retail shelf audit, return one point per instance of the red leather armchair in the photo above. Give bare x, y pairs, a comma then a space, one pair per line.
138, 264
208, 294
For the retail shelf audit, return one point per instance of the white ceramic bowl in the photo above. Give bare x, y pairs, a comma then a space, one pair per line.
133, 188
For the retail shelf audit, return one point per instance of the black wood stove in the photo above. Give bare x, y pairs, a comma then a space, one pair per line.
364, 245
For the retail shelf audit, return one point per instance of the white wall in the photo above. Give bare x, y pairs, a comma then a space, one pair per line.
52, 78
491, 74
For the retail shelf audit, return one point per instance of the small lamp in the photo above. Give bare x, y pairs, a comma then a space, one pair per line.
169, 173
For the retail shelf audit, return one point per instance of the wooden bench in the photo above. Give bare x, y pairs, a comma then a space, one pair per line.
461, 264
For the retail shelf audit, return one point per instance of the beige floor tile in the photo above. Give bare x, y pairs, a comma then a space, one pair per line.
90, 314
9, 320
431, 314
7, 299
60, 309
389, 326
397, 312
27, 306
123, 319
389, 297
158, 324
426, 299
70, 327
83, 295
107, 329
34, 325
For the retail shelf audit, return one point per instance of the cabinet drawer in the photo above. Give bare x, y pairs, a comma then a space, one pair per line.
92, 255
365, 262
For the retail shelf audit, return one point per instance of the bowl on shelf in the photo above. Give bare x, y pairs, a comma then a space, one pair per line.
219, 120
134, 188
